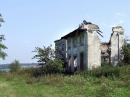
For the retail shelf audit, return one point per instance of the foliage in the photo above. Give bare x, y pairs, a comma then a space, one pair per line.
108, 72
44, 55
2, 53
15, 66
59, 85
46, 58
126, 51
54, 66
105, 71
105, 64
2, 46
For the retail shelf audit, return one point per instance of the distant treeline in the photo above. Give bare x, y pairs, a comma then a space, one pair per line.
23, 65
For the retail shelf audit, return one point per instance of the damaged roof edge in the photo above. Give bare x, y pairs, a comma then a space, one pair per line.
73, 32
82, 27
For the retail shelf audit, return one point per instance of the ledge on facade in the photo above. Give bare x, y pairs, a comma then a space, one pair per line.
73, 33
57, 40
105, 43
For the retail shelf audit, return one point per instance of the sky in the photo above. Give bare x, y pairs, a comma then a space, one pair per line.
34, 23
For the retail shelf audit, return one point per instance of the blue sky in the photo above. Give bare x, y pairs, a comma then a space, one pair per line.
34, 23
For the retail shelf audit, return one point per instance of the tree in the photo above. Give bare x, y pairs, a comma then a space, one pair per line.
2, 46
44, 55
2, 53
46, 58
126, 51
15, 66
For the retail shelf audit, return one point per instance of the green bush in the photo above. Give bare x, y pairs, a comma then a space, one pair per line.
106, 71
15, 66
126, 51
49, 63
109, 71
53, 66
26, 72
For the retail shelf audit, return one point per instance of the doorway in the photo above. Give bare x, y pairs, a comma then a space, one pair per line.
81, 61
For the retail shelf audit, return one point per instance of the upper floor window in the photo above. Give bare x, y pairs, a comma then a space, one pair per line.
74, 41
69, 43
81, 39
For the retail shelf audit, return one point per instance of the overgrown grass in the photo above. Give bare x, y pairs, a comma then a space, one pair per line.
101, 82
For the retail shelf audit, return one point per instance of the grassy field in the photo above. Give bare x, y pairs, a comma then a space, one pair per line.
18, 85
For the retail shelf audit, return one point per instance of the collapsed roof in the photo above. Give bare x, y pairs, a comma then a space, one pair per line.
85, 26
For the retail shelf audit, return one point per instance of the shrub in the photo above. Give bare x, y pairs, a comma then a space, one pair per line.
37, 72
53, 66
106, 71
44, 55
126, 51
49, 63
105, 64
15, 66
110, 71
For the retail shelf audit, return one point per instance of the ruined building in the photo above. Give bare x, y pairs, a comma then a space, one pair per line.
112, 51
82, 49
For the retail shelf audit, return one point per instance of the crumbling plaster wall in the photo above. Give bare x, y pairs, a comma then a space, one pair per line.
117, 42
94, 51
